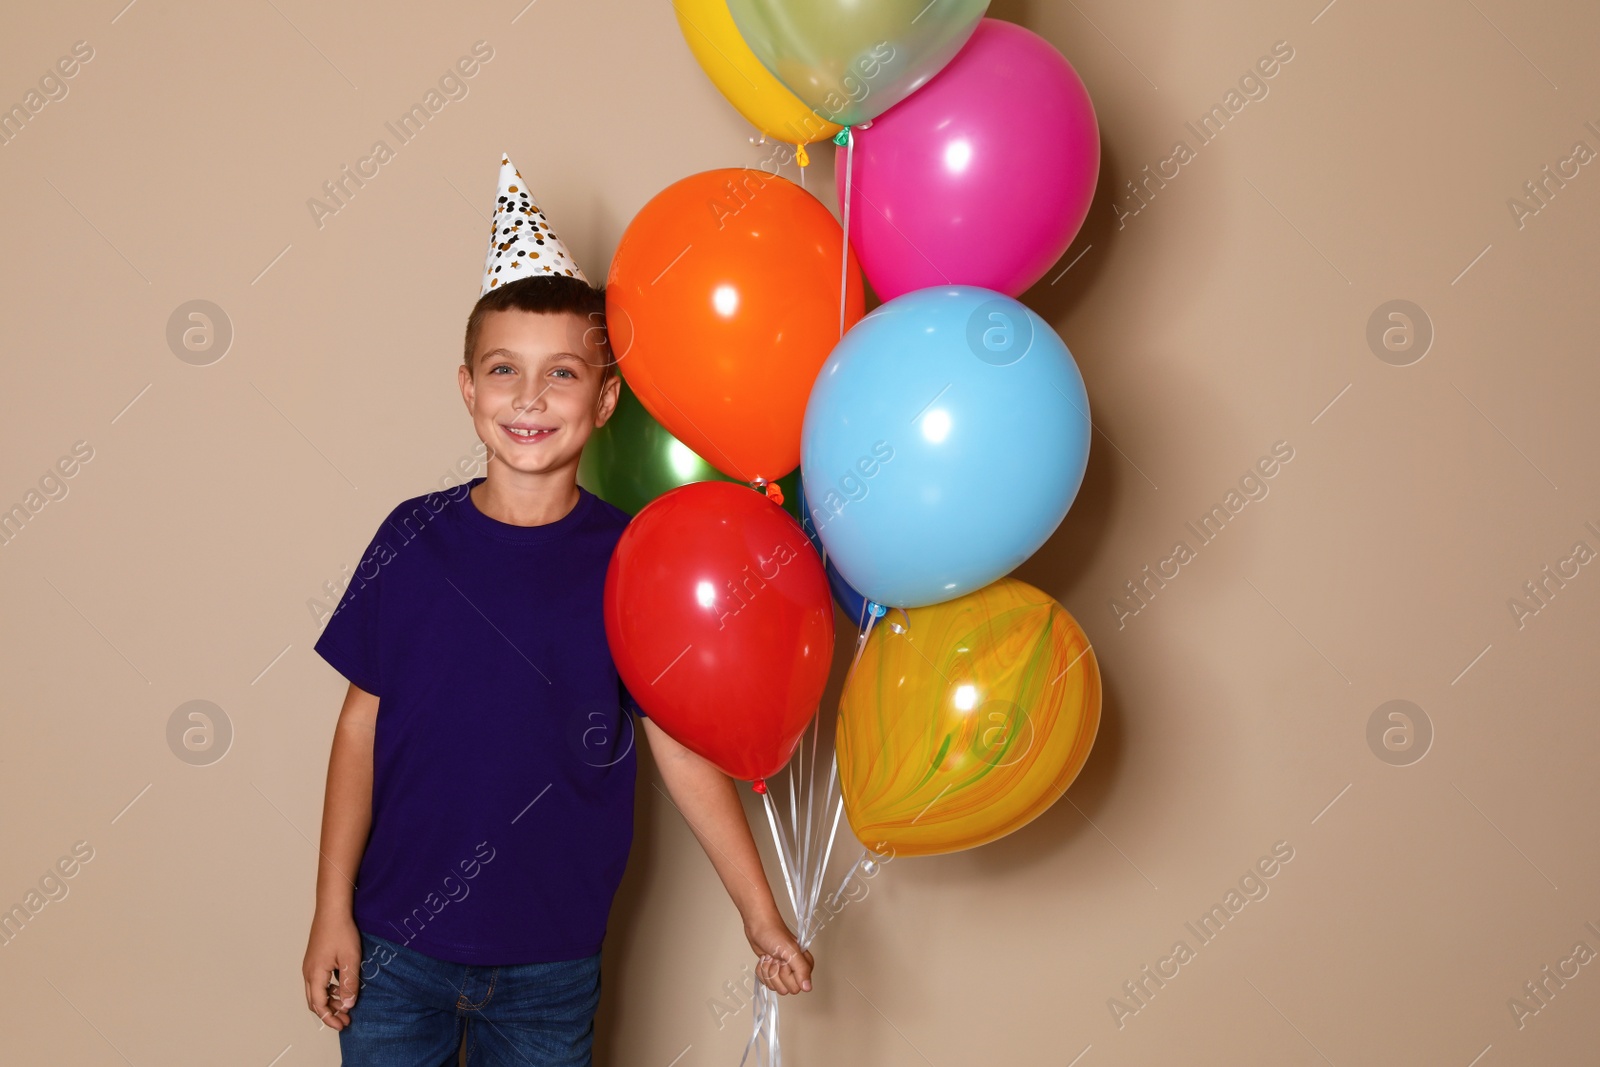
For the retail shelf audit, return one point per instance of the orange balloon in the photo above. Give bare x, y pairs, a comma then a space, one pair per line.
722, 305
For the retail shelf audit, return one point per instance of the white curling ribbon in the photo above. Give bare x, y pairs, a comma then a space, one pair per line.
804, 844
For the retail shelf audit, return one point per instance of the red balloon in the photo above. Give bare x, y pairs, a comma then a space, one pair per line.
720, 623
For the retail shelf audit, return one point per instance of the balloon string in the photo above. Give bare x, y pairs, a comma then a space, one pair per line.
866, 631
783, 851
849, 142
799, 749
797, 844
833, 833
772, 1033
766, 1007
766, 1017
796, 847
809, 775
765, 1031
812, 878
851, 873
795, 855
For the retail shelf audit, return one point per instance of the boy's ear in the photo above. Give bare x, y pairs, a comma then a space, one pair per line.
610, 394
468, 386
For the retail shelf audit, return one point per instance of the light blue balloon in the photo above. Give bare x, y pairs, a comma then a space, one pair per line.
944, 440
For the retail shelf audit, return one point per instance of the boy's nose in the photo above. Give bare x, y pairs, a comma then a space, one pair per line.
531, 399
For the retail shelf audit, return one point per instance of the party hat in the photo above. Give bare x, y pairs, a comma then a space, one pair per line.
521, 242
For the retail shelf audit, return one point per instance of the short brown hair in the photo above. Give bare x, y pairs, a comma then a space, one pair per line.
547, 294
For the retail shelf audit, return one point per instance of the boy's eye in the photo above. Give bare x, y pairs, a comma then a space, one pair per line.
567, 371
500, 367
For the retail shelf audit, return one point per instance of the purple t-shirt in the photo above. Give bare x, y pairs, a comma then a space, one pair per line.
504, 764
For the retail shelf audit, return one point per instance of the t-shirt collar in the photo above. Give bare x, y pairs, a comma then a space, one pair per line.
506, 531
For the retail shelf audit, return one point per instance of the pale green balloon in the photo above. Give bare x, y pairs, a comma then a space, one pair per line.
852, 60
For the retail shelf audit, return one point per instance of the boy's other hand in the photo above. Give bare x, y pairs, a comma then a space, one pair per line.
784, 966
335, 946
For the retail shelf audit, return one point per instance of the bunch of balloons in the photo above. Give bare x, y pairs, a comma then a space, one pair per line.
939, 440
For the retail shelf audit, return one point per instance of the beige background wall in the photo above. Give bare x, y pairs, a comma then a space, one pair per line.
1230, 313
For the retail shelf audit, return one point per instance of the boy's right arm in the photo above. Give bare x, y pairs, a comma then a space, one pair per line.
335, 944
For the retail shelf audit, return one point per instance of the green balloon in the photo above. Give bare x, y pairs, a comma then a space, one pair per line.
851, 61
632, 459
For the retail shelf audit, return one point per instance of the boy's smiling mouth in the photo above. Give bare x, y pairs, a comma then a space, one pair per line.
527, 434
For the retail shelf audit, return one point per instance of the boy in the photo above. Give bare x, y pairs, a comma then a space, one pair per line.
479, 803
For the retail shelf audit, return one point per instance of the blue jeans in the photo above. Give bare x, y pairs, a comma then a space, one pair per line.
413, 1009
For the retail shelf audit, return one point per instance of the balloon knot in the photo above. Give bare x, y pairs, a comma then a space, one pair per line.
878, 610
842, 138
759, 785
774, 493
800, 155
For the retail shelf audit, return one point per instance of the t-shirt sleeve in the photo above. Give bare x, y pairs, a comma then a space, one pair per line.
350, 640
629, 703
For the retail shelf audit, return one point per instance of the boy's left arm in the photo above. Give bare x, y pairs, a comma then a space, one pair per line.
709, 801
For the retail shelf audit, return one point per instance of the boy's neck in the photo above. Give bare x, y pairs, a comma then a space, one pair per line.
518, 498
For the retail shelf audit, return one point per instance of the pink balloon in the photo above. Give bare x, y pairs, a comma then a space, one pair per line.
981, 177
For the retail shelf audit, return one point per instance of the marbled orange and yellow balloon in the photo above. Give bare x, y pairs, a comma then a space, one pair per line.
969, 724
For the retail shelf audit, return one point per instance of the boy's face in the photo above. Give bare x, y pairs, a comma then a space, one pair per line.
534, 392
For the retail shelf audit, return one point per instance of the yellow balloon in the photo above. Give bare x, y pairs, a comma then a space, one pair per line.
760, 97
969, 724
